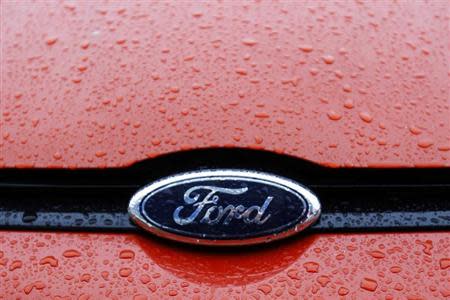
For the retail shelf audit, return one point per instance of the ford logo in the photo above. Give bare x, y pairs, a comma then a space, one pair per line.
224, 207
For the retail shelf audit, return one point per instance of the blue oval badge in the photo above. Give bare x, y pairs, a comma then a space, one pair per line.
224, 207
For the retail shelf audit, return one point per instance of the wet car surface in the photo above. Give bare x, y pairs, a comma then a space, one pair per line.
100, 85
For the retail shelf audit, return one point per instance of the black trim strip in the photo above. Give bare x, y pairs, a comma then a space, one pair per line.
352, 199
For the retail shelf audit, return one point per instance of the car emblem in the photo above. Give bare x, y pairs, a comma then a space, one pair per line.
224, 207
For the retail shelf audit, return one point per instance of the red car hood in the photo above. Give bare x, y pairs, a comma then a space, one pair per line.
106, 85
91, 84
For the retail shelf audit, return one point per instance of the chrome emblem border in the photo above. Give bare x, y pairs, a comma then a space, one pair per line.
140, 218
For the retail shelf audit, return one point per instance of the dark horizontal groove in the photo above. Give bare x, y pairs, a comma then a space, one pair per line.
119, 187
381, 186
352, 199
342, 222
64, 186
303, 171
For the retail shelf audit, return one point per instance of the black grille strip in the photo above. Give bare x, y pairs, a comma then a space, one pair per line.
352, 199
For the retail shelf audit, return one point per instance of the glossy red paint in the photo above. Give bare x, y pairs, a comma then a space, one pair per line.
117, 266
102, 84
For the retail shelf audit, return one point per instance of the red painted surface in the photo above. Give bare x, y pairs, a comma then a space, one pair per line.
91, 84
120, 266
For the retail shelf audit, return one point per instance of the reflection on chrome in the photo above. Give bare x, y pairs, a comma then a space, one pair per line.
251, 215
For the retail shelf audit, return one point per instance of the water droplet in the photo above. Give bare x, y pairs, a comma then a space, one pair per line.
349, 104
306, 48
366, 117
249, 41
85, 277
425, 143
444, 263
197, 14
29, 217
125, 272
343, 291
415, 130
16, 264
311, 267
51, 40
323, 280
369, 284
395, 269
328, 59
333, 115
262, 115
100, 153
265, 288
145, 279
71, 253
377, 254
84, 44
49, 260
293, 274
126, 254
241, 71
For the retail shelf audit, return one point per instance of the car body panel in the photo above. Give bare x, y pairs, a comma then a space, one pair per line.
101, 265
92, 84
102, 84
